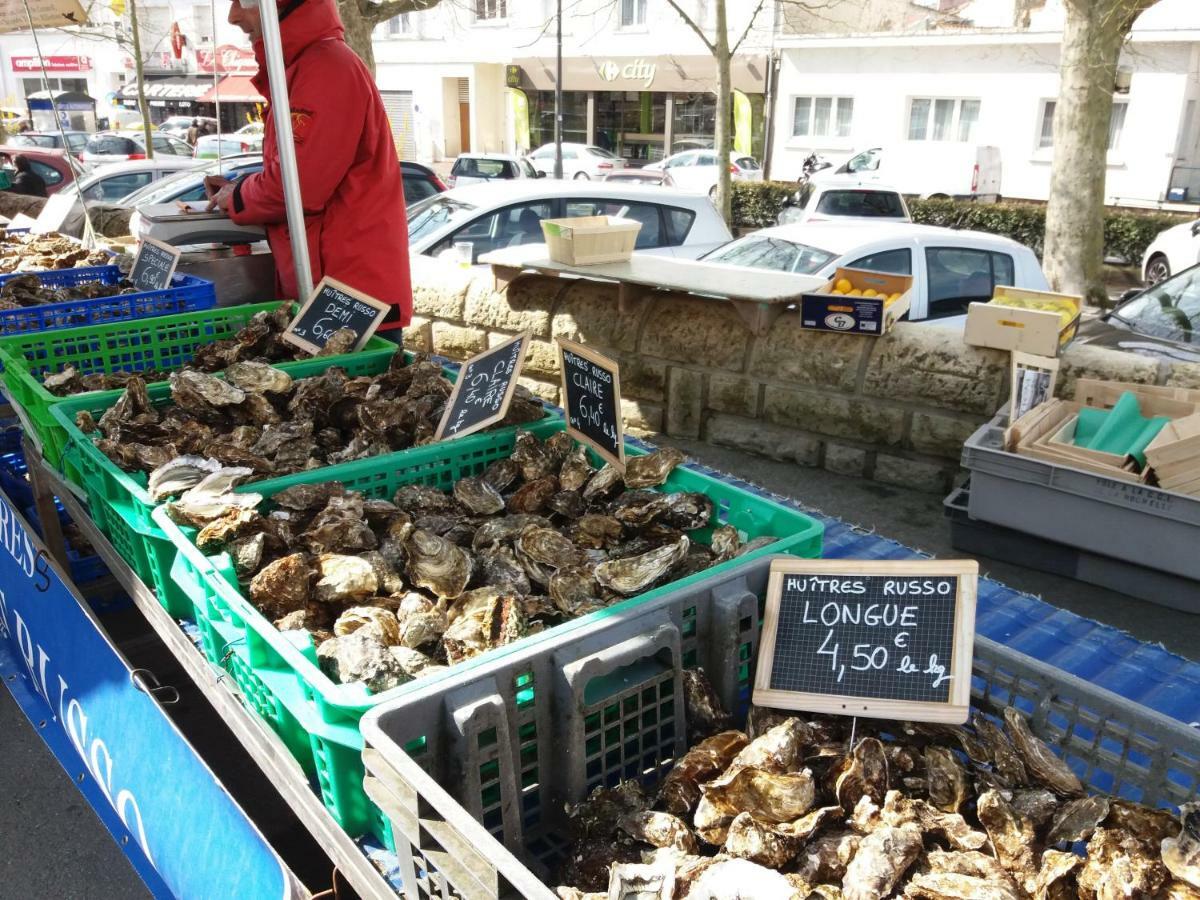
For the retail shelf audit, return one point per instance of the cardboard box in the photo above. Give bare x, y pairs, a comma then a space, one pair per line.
1174, 455
1003, 327
823, 310
589, 240
1104, 394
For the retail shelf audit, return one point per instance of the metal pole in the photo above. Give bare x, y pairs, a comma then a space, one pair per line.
558, 100
212, 7
282, 111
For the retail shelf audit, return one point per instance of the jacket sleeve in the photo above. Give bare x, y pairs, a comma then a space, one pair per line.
329, 103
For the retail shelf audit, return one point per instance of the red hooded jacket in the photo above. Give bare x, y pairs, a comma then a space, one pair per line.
350, 180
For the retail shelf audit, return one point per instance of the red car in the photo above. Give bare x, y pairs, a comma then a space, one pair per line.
52, 165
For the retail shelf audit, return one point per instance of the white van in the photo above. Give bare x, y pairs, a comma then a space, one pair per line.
928, 169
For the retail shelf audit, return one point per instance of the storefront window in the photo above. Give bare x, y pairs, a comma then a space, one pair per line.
541, 117
632, 124
694, 122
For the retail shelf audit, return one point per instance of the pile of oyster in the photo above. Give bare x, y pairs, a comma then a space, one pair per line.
786, 810
33, 252
390, 589
28, 290
259, 418
261, 340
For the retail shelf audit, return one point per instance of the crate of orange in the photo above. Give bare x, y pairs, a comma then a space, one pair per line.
856, 301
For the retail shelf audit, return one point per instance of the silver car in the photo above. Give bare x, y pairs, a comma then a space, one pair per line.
509, 214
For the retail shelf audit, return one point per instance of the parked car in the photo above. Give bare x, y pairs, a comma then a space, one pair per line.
696, 170
1162, 321
950, 268
214, 146
639, 176
928, 169
51, 140
508, 214
851, 199
252, 133
113, 182
111, 146
1172, 250
581, 161
177, 126
420, 182
480, 168
54, 166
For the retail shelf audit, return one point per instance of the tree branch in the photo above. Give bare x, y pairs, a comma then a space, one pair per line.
687, 20
374, 13
749, 25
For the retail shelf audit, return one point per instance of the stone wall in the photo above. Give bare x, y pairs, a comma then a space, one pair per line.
896, 409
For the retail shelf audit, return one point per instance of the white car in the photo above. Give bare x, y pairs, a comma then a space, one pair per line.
178, 126
481, 168
111, 146
931, 169
580, 161
1171, 251
838, 200
113, 182
212, 146
696, 170
950, 268
509, 214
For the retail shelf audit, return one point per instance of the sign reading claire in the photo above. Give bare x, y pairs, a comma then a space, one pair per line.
136, 769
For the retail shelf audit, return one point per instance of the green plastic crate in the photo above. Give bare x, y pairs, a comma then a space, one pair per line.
283, 666
120, 503
162, 343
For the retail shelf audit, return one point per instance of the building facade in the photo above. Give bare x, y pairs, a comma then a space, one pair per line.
637, 80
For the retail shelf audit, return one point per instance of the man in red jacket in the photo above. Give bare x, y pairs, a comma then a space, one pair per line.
350, 182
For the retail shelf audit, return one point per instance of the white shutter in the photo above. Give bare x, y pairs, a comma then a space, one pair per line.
399, 108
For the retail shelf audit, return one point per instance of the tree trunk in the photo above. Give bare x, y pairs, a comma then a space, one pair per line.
358, 31
1091, 47
139, 73
723, 138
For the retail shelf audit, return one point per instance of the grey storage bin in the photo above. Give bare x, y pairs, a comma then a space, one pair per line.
1143, 525
473, 774
979, 538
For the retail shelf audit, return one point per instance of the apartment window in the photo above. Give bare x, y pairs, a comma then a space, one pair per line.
942, 119
490, 9
1116, 124
400, 25
633, 13
822, 116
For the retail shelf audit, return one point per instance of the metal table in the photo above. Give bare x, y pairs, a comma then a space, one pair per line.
759, 296
262, 744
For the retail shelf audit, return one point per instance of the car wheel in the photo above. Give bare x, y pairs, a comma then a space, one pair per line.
582, 176
1158, 269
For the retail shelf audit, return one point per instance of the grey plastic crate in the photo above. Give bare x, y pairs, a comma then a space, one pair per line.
1009, 545
1140, 524
474, 773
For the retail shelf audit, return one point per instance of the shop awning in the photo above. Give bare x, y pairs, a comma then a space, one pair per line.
233, 89
183, 88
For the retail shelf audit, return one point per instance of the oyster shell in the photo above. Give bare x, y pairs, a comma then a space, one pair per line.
201, 393
1039, 760
340, 527
882, 859
568, 504
636, 573
826, 857
952, 886
576, 470
478, 496
947, 780
481, 620
506, 528
864, 775
178, 475
498, 567
532, 457
727, 879
701, 706
658, 829
437, 565
258, 378
725, 543
1038, 805
1013, 838
236, 523
421, 621
247, 554
547, 547
532, 496
596, 531
283, 586
652, 469
778, 749
501, 474
344, 579
603, 484
1181, 855
1078, 819
1120, 865
680, 791
635, 881
341, 341
748, 838
362, 656
769, 796
414, 663
1056, 878
574, 591
384, 623
1155, 825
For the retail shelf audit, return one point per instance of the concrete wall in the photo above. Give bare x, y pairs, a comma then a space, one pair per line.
896, 409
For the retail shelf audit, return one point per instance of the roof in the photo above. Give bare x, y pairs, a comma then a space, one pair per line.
512, 190
233, 89
842, 237
505, 157
163, 164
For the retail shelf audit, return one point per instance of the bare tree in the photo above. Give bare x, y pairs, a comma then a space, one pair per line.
361, 16
1093, 35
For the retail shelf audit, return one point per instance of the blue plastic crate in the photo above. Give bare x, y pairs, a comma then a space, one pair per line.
186, 294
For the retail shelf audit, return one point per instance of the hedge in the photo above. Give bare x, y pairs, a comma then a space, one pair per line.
1126, 234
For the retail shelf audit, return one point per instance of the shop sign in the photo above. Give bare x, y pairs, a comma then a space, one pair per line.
512, 76
153, 61
52, 63
227, 59
639, 70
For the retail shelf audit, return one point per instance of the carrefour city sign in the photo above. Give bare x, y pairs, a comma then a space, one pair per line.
636, 70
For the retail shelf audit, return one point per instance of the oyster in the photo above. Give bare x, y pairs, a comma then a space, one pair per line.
547, 547
283, 586
477, 496
947, 779
596, 531
506, 528
1039, 760
437, 565
882, 859
636, 573
680, 791
218, 533
658, 829
1037, 805
779, 749
258, 378
531, 497
1013, 838
952, 886
414, 663
178, 475
384, 623
827, 856
362, 656
603, 484
652, 469
1148, 824
344, 579
725, 543
770, 797
421, 621
748, 838
532, 457
635, 881
1181, 854
1001, 753
575, 470
212, 498
574, 591
568, 504
498, 567
687, 511
340, 527
198, 392
341, 341
701, 706
730, 878
247, 554
864, 775
1078, 819
1120, 865
1056, 878
481, 620
501, 474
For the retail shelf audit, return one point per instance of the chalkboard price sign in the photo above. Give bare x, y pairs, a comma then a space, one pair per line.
592, 400
154, 265
332, 307
484, 389
887, 640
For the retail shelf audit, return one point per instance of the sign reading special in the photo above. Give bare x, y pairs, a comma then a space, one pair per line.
879, 639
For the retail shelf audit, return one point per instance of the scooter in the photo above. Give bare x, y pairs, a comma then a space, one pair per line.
794, 205
812, 164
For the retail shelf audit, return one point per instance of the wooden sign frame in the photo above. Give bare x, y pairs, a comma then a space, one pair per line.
175, 253
1028, 362
308, 345
956, 711
617, 461
526, 337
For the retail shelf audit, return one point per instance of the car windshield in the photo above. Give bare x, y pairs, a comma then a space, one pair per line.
33, 140
188, 185
600, 151
112, 145
762, 252
430, 215
1170, 310
869, 204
